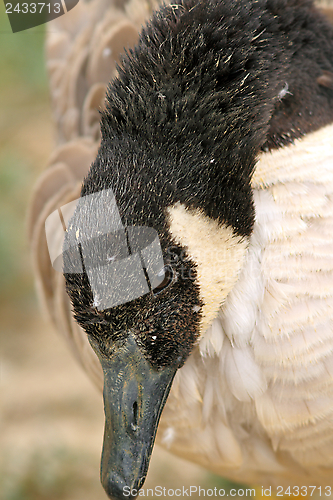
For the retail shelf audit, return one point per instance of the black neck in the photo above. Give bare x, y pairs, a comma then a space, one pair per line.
209, 85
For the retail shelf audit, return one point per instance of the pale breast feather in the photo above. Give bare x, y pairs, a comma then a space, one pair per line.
277, 323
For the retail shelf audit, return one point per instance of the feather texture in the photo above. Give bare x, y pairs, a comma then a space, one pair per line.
254, 400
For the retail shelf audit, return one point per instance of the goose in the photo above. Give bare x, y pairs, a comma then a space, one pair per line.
198, 259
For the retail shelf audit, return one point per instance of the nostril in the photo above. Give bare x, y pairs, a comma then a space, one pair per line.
134, 424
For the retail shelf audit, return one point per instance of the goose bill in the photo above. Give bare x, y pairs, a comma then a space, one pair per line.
134, 396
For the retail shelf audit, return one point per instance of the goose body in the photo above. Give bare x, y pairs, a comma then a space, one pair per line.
217, 133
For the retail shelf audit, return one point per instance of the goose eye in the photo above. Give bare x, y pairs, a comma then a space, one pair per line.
168, 276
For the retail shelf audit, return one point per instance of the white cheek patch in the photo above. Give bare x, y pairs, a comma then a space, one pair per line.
216, 250
298, 162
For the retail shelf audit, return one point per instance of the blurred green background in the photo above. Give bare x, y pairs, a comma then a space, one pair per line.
51, 420
24, 107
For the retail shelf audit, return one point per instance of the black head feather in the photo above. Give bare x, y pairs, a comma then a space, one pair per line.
209, 85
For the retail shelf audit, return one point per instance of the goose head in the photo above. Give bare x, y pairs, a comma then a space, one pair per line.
156, 270
166, 213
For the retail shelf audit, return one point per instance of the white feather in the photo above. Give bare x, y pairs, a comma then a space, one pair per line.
228, 446
239, 313
211, 343
243, 375
188, 384
208, 399
168, 436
